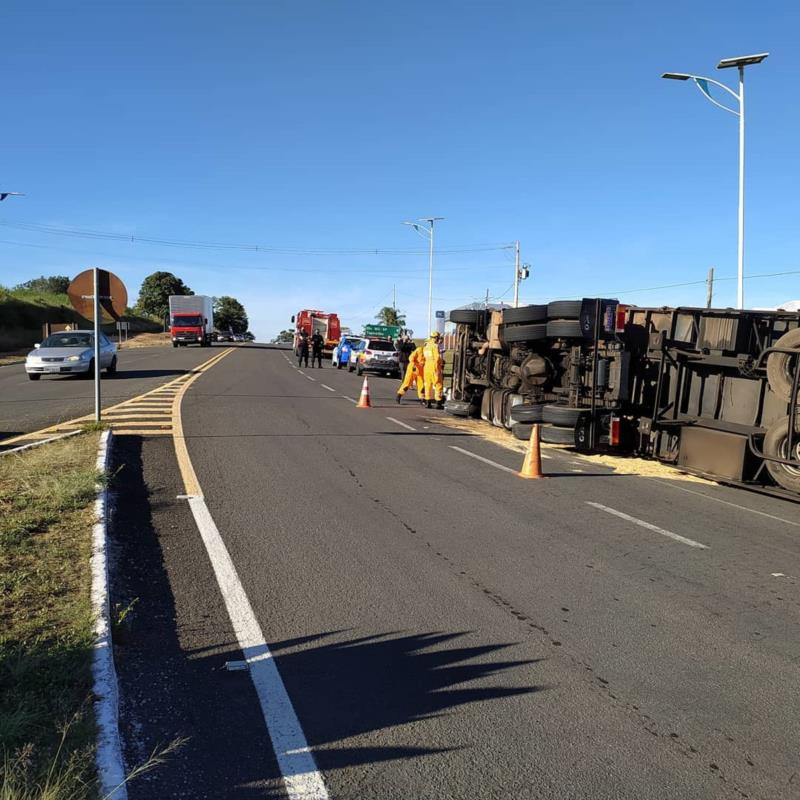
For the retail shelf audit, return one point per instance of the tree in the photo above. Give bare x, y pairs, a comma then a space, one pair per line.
155, 292
54, 284
390, 316
284, 336
229, 315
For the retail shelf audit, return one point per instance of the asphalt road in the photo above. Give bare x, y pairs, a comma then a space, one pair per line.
27, 406
443, 628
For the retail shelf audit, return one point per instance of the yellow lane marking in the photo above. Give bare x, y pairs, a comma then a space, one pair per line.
130, 416
190, 482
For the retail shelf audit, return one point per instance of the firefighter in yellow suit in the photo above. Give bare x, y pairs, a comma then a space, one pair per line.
416, 365
434, 369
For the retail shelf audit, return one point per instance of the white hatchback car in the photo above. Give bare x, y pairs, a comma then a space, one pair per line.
70, 353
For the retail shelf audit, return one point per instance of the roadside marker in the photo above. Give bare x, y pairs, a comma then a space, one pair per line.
650, 527
363, 401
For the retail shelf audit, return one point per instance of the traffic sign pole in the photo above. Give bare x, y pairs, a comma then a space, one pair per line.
96, 344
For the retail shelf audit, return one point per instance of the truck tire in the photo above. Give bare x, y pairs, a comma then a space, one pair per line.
486, 405
564, 309
553, 435
174, 344
561, 416
466, 316
522, 430
458, 408
499, 407
524, 333
775, 444
527, 412
564, 329
778, 364
525, 314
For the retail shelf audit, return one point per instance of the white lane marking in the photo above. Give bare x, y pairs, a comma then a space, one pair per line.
783, 575
300, 775
349, 398
308, 377
728, 503
329, 388
649, 526
485, 460
401, 424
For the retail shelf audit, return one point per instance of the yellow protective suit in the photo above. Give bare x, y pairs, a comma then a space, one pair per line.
434, 367
416, 364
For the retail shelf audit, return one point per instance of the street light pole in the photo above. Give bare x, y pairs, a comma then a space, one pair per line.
427, 231
516, 274
702, 84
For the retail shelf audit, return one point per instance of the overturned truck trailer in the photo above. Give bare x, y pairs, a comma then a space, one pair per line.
713, 391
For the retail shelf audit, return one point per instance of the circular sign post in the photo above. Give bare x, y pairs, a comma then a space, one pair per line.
98, 294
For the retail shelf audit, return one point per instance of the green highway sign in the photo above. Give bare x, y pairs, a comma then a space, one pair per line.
392, 331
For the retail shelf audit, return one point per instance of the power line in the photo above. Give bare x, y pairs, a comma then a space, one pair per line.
84, 233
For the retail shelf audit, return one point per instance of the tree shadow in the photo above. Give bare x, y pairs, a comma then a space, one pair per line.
360, 699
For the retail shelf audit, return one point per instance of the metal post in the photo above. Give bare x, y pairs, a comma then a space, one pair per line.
96, 344
710, 287
430, 285
740, 293
516, 274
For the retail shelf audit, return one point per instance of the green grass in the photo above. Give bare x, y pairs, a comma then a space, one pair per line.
46, 638
23, 313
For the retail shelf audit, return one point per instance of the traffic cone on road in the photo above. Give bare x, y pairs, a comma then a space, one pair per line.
532, 465
363, 401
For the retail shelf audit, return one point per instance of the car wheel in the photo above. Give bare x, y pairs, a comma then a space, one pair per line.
111, 369
33, 376
338, 365
174, 344
527, 412
552, 435
561, 416
564, 329
525, 333
564, 309
524, 315
776, 444
89, 374
350, 367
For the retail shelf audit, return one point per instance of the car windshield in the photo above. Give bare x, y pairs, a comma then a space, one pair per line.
351, 342
373, 345
69, 339
187, 321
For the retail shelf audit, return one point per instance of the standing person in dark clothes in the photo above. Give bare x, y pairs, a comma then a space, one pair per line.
317, 343
405, 347
302, 349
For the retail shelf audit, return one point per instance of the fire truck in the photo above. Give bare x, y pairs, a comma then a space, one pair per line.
713, 391
312, 321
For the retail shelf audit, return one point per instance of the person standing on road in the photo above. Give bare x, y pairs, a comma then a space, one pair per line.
302, 349
317, 343
414, 375
434, 369
405, 347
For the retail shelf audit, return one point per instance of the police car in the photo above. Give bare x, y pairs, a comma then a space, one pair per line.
341, 353
375, 354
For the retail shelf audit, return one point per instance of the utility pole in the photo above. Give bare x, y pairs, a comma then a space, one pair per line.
486, 303
394, 296
710, 287
516, 274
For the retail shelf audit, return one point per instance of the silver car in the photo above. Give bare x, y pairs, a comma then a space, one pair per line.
69, 353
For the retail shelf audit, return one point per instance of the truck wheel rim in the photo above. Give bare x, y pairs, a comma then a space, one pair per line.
790, 452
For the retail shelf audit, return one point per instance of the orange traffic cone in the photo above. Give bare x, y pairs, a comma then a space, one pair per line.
532, 465
363, 401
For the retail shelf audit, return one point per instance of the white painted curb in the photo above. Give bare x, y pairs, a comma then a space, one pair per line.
110, 767
39, 443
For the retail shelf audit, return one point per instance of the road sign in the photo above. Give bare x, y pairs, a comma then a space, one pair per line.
392, 331
112, 293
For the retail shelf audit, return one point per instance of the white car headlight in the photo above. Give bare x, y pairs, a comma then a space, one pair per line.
74, 358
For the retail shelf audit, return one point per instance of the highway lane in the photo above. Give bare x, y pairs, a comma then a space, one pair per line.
27, 406
446, 629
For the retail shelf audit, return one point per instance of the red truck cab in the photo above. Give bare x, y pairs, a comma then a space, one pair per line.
312, 321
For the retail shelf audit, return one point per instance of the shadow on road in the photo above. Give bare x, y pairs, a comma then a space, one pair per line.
360, 699
125, 374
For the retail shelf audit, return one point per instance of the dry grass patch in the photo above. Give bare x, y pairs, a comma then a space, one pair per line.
46, 634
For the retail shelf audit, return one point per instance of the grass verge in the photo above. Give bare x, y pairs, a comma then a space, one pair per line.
46, 723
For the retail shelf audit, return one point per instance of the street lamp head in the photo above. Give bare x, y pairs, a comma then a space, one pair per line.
676, 76
430, 219
742, 61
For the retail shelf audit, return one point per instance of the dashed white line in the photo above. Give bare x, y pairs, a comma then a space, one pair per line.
672, 485
329, 388
484, 460
308, 377
649, 526
401, 424
349, 398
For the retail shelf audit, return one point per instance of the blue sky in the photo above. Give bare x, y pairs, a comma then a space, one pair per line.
321, 126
